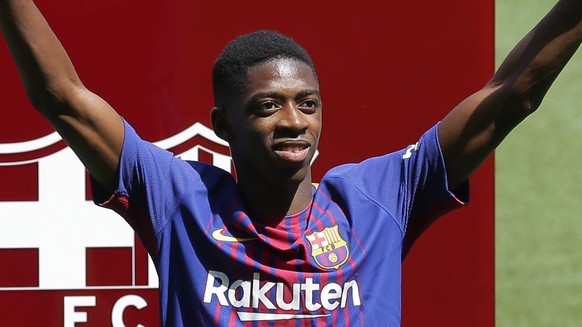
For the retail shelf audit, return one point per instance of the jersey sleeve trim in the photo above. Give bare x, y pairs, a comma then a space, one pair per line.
420, 220
461, 193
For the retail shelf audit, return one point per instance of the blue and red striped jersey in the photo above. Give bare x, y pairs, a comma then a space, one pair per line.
336, 263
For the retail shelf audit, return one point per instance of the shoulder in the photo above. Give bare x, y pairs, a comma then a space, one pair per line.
367, 171
207, 171
213, 179
363, 180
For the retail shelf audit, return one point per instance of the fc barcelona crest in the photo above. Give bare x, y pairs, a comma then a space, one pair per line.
328, 248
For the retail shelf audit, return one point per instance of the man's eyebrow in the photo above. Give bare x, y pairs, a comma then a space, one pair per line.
308, 92
261, 95
276, 95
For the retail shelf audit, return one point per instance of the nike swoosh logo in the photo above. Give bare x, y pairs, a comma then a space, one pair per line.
219, 236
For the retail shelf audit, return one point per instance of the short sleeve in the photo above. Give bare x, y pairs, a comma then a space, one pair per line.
410, 184
151, 182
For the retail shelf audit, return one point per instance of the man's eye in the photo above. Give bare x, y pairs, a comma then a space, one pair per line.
266, 106
310, 104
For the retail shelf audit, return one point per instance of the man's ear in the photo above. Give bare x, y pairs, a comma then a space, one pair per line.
221, 123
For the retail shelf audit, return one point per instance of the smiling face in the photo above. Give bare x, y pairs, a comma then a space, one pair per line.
274, 124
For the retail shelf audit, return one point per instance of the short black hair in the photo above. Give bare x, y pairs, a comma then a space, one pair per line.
229, 73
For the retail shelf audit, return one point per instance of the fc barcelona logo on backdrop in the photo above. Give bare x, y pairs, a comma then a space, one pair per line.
99, 278
328, 248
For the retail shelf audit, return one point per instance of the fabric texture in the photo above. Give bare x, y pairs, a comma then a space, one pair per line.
337, 263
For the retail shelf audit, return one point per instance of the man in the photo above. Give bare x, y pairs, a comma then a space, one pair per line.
229, 252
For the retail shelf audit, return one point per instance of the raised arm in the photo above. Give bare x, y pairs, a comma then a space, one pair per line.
471, 131
86, 122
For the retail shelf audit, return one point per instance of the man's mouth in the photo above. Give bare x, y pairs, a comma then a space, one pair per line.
292, 152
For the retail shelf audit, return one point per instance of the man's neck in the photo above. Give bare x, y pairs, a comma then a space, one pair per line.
265, 200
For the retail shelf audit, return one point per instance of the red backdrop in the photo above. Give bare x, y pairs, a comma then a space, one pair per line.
388, 71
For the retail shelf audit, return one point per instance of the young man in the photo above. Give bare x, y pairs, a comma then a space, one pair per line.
270, 246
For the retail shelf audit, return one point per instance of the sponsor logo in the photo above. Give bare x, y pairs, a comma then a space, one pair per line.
304, 296
219, 236
328, 248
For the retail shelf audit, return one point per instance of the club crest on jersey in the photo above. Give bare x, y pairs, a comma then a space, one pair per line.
328, 248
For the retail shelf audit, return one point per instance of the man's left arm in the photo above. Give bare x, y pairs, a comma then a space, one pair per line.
473, 129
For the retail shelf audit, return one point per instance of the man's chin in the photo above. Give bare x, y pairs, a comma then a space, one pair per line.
293, 176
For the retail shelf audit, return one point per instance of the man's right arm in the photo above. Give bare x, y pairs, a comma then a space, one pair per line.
89, 125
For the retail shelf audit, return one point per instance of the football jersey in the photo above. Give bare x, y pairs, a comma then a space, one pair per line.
336, 263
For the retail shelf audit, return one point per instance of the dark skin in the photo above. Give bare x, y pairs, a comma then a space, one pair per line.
475, 127
273, 128
269, 185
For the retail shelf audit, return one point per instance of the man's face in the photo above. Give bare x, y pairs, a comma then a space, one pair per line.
276, 122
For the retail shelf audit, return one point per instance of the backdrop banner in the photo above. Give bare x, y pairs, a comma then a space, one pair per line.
388, 72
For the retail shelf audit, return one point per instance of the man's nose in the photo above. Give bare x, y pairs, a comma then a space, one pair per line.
293, 118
